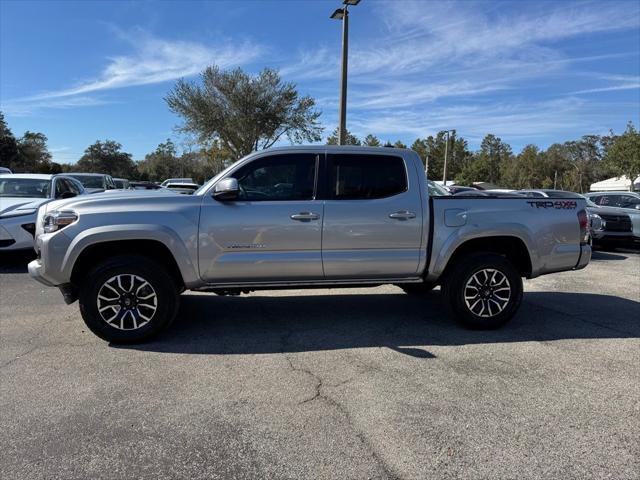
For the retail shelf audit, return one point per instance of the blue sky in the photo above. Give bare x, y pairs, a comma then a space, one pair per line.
529, 72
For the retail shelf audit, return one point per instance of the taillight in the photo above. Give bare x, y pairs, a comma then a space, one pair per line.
583, 220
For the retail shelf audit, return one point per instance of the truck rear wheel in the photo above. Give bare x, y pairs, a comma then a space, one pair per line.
128, 299
483, 291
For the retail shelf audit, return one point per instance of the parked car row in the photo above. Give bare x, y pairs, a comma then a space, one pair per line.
20, 197
22, 194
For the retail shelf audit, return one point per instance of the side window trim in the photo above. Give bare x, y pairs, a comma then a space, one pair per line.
329, 189
314, 194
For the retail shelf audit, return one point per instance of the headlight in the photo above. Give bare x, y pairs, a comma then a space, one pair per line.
55, 221
18, 213
597, 223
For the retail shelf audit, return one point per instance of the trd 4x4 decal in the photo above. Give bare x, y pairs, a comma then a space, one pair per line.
557, 204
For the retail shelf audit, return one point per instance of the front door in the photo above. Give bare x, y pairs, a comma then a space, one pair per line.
272, 231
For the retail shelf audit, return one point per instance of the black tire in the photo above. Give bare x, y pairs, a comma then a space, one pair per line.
459, 282
143, 322
417, 288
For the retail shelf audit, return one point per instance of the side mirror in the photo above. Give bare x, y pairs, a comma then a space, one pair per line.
226, 189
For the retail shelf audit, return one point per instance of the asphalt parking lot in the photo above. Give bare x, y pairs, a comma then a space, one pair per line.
336, 384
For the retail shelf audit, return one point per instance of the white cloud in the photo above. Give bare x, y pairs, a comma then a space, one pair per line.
153, 60
513, 121
27, 107
623, 82
433, 54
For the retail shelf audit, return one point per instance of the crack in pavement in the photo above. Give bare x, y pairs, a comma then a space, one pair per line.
319, 395
42, 347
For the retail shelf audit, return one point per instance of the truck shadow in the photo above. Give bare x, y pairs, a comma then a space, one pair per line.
16, 262
410, 325
600, 255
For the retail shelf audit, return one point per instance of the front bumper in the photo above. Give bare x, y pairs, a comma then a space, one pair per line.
608, 235
14, 235
36, 272
49, 268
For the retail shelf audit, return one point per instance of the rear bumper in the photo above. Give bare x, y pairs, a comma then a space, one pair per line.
585, 257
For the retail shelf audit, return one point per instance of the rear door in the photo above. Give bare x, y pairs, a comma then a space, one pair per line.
372, 217
272, 231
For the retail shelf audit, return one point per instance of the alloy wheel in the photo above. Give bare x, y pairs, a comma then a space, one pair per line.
487, 292
127, 302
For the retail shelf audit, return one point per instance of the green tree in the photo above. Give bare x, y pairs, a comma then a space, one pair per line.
486, 164
371, 141
215, 159
349, 140
399, 144
161, 164
623, 156
33, 153
107, 157
8, 145
245, 113
583, 159
432, 149
528, 169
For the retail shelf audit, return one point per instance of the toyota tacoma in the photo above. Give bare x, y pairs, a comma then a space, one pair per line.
302, 217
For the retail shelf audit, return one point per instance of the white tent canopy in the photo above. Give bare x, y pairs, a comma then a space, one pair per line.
615, 184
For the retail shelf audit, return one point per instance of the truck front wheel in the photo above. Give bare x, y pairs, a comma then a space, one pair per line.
128, 299
483, 291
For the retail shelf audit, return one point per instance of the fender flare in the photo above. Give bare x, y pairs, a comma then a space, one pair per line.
115, 233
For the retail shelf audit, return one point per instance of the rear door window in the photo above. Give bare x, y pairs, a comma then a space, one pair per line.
365, 177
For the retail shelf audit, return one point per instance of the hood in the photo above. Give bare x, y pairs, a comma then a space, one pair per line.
113, 197
10, 205
608, 210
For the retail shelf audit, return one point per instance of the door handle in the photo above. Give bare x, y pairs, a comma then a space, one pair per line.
304, 216
402, 215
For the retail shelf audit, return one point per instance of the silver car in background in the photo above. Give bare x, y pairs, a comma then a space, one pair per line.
94, 182
20, 197
616, 206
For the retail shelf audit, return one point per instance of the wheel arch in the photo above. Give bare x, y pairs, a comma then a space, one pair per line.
154, 250
509, 246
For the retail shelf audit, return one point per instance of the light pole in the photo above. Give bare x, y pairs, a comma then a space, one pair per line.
446, 151
343, 14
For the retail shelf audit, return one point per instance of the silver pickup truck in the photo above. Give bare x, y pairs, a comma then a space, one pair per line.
301, 217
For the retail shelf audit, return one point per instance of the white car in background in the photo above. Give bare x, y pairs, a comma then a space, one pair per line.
176, 180
624, 202
20, 197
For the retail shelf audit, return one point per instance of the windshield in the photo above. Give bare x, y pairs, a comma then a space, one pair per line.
24, 187
90, 181
436, 190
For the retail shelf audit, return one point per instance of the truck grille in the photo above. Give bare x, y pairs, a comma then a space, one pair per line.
617, 223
